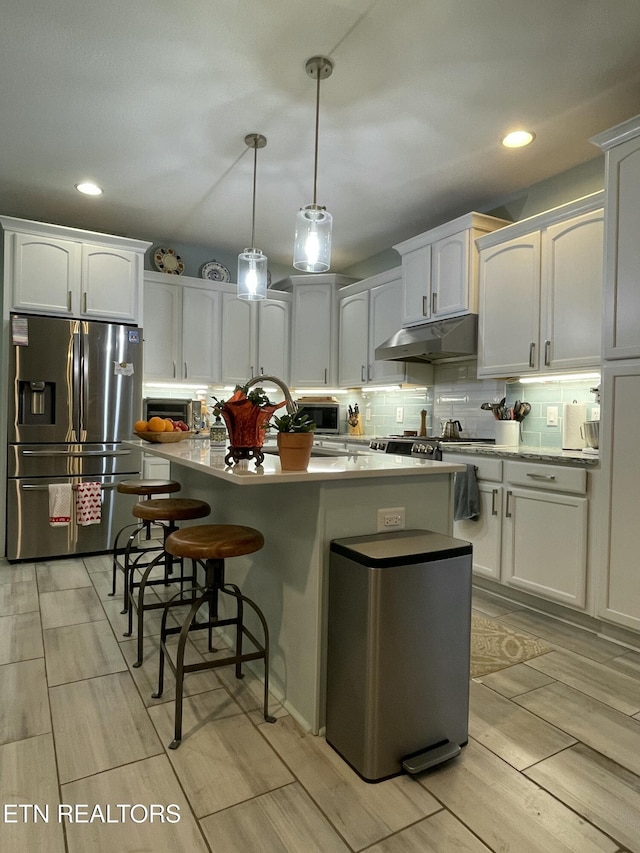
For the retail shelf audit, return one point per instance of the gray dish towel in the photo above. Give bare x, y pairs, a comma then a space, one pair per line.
466, 499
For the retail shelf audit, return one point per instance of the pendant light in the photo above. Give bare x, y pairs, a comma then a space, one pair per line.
312, 244
252, 263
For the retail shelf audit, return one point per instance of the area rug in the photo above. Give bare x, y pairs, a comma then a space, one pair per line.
494, 646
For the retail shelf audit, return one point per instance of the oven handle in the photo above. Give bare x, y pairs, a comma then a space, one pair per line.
78, 453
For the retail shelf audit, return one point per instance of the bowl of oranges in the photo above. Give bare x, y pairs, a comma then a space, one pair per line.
161, 430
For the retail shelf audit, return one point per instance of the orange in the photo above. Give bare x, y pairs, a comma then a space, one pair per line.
156, 424
140, 426
168, 425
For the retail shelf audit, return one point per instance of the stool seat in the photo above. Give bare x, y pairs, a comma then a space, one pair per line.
148, 487
171, 509
214, 541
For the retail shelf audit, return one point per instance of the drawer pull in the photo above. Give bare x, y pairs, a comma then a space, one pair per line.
494, 495
507, 511
541, 476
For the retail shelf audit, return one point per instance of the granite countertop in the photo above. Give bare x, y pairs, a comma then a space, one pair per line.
524, 451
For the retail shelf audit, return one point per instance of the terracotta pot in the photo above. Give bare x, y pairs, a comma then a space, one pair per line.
295, 450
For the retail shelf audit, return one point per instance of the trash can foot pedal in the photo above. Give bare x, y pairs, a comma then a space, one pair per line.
430, 757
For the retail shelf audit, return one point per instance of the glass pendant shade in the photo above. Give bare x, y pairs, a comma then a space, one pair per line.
312, 243
252, 275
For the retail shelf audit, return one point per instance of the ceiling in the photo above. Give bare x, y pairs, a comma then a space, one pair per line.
152, 99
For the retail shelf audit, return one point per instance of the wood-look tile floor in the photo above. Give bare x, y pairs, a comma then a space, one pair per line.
552, 764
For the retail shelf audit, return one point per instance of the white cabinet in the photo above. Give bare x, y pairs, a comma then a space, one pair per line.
182, 331
531, 533
53, 270
440, 269
541, 292
255, 338
369, 313
274, 336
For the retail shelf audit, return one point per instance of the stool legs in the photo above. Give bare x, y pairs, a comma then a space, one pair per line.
215, 584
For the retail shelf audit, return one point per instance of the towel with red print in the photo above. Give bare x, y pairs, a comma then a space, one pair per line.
88, 504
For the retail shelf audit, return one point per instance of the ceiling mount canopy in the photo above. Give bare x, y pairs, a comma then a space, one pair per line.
312, 244
252, 263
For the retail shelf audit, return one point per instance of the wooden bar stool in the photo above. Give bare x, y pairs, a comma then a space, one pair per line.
145, 489
164, 511
213, 543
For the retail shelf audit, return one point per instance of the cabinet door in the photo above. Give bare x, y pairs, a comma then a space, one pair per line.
274, 338
313, 343
509, 307
622, 261
416, 286
571, 320
162, 331
45, 274
485, 532
239, 356
110, 283
385, 308
201, 335
353, 339
450, 278
553, 565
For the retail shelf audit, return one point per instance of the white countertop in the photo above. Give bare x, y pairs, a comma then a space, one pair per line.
197, 454
523, 451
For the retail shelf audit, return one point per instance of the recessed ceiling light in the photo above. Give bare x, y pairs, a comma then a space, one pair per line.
89, 188
518, 138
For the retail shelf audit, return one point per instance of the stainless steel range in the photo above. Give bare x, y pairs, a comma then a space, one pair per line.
421, 447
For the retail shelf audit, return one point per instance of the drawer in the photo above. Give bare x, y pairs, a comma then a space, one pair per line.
487, 468
551, 478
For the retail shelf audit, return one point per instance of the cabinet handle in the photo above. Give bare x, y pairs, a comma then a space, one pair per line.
261, 371
547, 353
252, 373
532, 353
494, 495
434, 303
370, 372
507, 511
425, 306
84, 302
174, 369
541, 476
69, 295
325, 375
186, 371
362, 378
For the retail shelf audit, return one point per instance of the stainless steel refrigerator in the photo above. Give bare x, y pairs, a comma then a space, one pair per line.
75, 391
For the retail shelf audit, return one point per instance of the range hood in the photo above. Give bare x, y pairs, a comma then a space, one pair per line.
453, 338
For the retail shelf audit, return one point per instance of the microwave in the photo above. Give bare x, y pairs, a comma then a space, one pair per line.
188, 411
325, 414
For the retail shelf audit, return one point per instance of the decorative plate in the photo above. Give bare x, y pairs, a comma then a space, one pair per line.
215, 271
166, 260
164, 437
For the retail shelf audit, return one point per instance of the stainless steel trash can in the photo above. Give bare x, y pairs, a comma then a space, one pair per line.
398, 651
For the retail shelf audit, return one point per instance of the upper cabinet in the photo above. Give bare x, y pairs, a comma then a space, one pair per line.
540, 301
53, 270
622, 253
440, 269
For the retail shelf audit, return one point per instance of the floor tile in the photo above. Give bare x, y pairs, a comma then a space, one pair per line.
440, 833
18, 597
102, 584
491, 605
70, 607
507, 811
283, 820
81, 651
600, 790
98, 563
61, 574
145, 782
521, 739
628, 663
562, 634
28, 776
20, 637
362, 813
99, 724
12, 572
25, 707
597, 725
222, 759
595, 679
514, 680
112, 608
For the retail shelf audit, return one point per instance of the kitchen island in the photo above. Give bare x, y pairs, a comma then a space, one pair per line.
299, 513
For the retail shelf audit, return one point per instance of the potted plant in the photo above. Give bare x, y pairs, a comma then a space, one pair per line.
295, 440
246, 415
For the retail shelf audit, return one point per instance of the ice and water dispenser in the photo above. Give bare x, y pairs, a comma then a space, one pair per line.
36, 402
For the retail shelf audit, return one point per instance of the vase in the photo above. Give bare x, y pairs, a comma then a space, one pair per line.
294, 449
247, 428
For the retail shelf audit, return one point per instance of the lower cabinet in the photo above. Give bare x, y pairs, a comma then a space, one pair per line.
532, 530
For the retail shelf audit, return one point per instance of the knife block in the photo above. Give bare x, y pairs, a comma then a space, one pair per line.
356, 429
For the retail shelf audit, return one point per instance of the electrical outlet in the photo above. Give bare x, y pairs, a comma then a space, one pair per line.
391, 518
595, 413
552, 416
367, 414
399, 414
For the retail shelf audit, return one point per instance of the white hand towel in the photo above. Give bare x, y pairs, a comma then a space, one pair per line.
88, 504
59, 504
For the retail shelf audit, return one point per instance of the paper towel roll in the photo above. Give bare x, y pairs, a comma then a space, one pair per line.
573, 416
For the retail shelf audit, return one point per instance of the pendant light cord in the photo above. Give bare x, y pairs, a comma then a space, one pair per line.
253, 210
315, 162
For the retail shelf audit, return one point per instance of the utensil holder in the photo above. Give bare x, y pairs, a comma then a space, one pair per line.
507, 433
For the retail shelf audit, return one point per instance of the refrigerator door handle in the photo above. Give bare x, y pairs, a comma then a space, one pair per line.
27, 487
76, 401
75, 453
